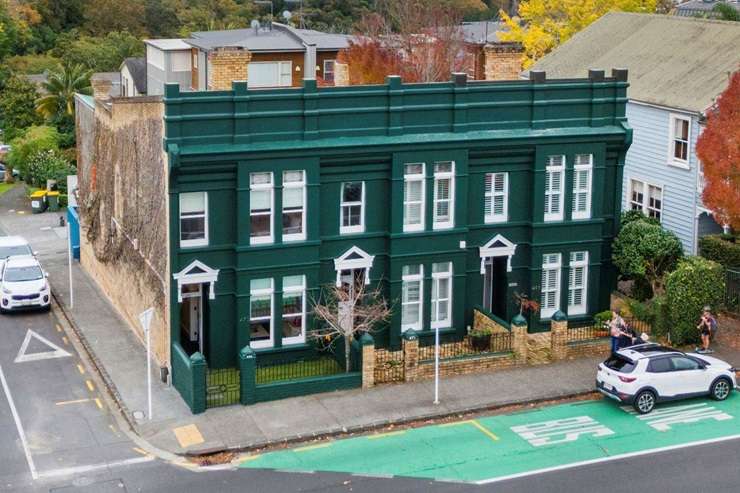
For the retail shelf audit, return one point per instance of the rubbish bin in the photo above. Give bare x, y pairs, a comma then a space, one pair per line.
52, 198
38, 201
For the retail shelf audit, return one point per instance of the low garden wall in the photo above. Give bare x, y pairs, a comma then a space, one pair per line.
189, 378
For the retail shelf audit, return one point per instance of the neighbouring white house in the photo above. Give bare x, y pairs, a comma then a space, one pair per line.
133, 77
678, 66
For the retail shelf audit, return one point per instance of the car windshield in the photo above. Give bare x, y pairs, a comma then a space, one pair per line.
20, 274
620, 364
9, 251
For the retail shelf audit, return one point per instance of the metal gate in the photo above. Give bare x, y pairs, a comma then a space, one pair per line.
222, 387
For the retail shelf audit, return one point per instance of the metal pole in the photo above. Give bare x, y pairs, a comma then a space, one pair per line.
149, 370
436, 365
69, 261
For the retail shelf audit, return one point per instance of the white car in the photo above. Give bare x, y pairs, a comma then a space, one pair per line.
23, 284
646, 374
13, 245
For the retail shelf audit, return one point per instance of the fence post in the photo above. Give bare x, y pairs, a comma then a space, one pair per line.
199, 368
410, 355
559, 335
368, 360
519, 339
247, 376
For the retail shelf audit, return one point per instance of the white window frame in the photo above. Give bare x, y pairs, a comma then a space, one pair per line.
408, 278
263, 292
672, 159
295, 290
280, 65
644, 206
360, 228
261, 240
436, 276
490, 196
418, 177
199, 241
332, 71
438, 176
580, 308
547, 266
578, 168
549, 191
290, 185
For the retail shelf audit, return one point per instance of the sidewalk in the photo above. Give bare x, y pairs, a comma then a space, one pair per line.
122, 357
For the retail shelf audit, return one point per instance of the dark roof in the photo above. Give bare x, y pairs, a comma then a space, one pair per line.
137, 69
701, 7
675, 62
279, 38
482, 32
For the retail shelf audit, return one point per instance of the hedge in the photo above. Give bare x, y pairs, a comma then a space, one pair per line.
722, 251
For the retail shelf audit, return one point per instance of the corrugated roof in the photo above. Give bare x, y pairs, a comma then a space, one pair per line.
692, 7
279, 38
137, 69
673, 61
482, 32
168, 44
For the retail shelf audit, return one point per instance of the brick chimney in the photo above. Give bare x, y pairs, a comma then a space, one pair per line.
503, 60
101, 87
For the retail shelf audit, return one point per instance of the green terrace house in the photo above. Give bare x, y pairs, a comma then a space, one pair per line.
450, 196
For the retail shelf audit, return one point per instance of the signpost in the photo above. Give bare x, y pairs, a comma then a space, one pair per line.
436, 365
145, 319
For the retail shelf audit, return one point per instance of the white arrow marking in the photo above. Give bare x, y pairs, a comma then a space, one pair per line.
23, 357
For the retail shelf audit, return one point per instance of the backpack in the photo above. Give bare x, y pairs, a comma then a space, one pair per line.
713, 326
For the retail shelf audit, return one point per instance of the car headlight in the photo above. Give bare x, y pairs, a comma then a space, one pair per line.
45, 286
6, 290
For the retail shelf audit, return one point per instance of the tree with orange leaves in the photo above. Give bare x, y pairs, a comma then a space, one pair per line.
718, 148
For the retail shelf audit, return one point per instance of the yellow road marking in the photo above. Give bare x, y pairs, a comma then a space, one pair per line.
90, 385
59, 328
113, 429
313, 447
250, 458
140, 451
188, 435
98, 403
66, 341
475, 424
383, 435
81, 369
64, 403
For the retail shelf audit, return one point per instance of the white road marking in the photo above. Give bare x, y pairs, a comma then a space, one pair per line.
18, 425
662, 419
68, 471
606, 459
23, 357
561, 430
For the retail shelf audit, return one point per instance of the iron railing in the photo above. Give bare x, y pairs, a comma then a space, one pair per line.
282, 370
586, 330
499, 343
222, 387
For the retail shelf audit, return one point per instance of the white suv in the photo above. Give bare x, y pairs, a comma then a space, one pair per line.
645, 374
23, 284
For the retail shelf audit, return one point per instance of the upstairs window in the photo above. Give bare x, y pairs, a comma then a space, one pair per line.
294, 205
554, 188
444, 195
582, 171
496, 197
577, 283
193, 219
352, 207
413, 197
551, 264
441, 294
260, 208
680, 141
646, 198
412, 282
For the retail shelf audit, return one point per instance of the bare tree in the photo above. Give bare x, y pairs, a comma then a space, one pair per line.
347, 311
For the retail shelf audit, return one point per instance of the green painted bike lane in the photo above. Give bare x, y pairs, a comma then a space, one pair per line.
495, 447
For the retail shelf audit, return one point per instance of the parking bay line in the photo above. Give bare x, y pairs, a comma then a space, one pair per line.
16, 418
76, 401
476, 424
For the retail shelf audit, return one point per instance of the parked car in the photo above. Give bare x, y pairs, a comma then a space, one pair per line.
14, 245
23, 284
16, 173
646, 374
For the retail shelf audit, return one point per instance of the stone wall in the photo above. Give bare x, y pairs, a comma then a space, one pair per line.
503, 61
481, 321
226, 66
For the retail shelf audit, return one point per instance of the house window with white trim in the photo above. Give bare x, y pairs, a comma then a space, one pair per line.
582, 186
260, 208
193, 219
270, 74
551, 263
413, 197
329, 70
680, 132
554, 173
294, 309
646, 198
577, 283
412, 284
294, 205
496, 206
444, 195
441, 294
352, 207
260, 313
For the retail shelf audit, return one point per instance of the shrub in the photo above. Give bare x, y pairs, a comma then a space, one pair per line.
631, 216
720, 248
602, 318
49, 164
696, 282
33, 140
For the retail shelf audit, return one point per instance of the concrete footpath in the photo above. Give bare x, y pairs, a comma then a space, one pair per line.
121, 357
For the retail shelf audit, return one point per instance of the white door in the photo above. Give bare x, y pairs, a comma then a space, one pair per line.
688, 376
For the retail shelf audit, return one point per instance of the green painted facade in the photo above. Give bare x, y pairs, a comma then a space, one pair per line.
214, 140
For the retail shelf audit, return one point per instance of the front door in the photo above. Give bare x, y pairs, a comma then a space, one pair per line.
191, 318
353, 281
494, 286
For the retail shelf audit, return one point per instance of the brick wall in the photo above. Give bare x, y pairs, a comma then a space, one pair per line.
481, 321
473, 364
503, 61
539, 348
226, 66
584, 349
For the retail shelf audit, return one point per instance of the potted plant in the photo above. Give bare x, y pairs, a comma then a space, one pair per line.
601, 323
525, 304
480, 338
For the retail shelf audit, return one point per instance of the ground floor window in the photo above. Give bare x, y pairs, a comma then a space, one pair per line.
294, 309
441, 294
646, 198
550, 284
577, 283
411, 295
260, 313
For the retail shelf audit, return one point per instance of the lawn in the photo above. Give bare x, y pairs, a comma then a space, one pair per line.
4, 187
298, 369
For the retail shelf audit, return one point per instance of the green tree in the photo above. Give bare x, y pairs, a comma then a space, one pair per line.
33, 139
645, 250
61, 15
726, 12
48, 164
104, 16
17, 107
61, 89
696, 282
104, 54
160, 18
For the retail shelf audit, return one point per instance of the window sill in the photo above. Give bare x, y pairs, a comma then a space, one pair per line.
287, 348
193, 243
684, 165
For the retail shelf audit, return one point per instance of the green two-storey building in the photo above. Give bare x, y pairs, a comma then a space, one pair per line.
450, 195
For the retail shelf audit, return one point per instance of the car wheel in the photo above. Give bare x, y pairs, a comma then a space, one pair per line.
644, 402
720, 390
